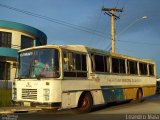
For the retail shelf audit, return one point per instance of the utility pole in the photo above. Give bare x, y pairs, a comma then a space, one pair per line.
112, 13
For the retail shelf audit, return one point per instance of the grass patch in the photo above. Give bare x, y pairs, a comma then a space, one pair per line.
5, 97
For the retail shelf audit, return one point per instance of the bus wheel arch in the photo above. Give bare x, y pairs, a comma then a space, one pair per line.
85, 102
139, 95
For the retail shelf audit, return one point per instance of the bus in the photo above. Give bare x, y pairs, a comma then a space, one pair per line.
158, 86
78, 77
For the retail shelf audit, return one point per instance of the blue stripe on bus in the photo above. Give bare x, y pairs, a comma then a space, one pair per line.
110, 93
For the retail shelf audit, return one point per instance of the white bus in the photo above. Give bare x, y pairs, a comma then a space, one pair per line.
76, 76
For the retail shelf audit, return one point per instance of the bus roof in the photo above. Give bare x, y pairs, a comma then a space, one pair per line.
85, 49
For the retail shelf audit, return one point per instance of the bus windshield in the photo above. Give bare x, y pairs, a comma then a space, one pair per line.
39, 63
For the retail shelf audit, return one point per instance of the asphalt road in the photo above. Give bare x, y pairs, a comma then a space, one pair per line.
149, 109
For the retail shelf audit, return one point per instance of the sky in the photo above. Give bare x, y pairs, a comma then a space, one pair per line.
83, 22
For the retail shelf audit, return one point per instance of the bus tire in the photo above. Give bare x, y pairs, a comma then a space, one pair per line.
85, 103
139, 96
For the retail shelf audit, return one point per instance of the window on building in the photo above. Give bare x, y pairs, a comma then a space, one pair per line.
118, 65
74, 64
151, 70
26, 42
5, 39
132, 67
143, 68
4, 71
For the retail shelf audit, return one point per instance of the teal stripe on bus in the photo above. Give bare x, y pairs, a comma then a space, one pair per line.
112, 93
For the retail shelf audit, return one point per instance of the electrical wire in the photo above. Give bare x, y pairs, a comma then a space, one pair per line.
123, 7
139, 43
97, 23
117, 4
108, 46
78, 27
117, 24
124, 50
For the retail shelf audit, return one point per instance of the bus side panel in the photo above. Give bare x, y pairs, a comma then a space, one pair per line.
97, 97
70, 99
147, 91
130, 93
71, 91
111, 93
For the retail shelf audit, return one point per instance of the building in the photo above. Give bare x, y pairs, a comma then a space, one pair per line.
13, 37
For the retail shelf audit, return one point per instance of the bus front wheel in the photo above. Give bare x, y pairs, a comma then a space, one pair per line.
85, 103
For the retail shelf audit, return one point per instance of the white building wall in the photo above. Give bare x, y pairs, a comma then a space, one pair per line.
16, 37
16, 44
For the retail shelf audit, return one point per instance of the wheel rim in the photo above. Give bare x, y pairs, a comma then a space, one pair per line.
85, 103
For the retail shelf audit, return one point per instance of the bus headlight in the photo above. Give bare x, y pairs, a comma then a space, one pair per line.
46, 93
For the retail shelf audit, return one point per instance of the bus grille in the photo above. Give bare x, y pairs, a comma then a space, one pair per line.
29, 94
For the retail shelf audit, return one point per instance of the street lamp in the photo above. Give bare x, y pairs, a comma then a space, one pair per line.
131, 24
144, 17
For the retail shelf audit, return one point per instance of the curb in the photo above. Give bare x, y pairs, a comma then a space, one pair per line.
19, 111
6, 112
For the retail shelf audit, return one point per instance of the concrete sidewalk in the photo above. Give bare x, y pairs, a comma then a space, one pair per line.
10, 110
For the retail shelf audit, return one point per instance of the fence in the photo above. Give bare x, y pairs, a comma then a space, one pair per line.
5, 93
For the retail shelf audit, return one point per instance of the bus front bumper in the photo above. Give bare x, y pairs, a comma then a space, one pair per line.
37, 104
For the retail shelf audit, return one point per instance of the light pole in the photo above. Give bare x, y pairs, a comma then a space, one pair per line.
131, 24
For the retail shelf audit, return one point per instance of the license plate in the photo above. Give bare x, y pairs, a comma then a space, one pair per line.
27, 104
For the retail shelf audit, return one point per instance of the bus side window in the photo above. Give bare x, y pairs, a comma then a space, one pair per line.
71, 61
151, 69
93, 62
78, 62
132, 67
122, 66
84, 63
118, 66
65, 61
68, 61
115, 65
100, 63
143, 68
74, 65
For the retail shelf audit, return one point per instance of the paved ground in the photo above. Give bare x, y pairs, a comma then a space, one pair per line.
148, 110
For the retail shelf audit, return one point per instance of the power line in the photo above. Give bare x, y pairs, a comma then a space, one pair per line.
120, 14
97, 23
123, 7
78, 27
117, 4
125, 50
108, 46
144, 43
